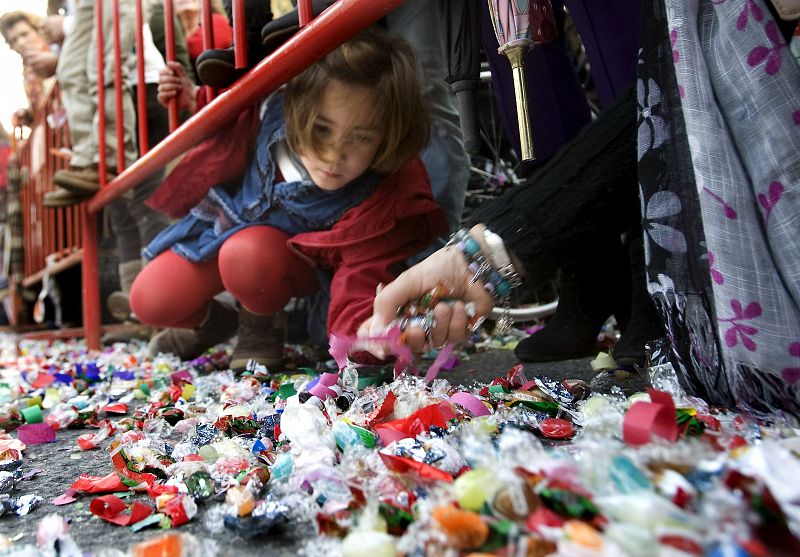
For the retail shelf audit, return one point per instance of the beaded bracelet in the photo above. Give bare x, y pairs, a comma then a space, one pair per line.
493, 282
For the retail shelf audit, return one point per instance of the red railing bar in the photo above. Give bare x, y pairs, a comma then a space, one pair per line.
89, 269
141, 89
169, 39
118, 120
207, 25
304, 12
338, 23
239, 35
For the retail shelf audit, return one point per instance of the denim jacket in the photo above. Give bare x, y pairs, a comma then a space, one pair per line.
293, 207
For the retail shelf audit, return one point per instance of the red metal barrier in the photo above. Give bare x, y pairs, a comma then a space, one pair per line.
62, 230
46, 232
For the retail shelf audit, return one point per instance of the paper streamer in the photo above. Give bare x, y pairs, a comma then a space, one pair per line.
470, 402
441, 359
111, 509
320, 388
341, 346
99, 484
404, 465
66, 498
645, 419
43, 380
36, 434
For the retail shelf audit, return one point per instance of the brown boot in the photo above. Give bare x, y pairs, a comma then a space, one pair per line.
62, 197
82, 180
220, 325
118, 302
261, 338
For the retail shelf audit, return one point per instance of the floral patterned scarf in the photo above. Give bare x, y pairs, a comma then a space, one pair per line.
719, 171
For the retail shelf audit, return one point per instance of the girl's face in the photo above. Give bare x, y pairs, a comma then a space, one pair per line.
349, 137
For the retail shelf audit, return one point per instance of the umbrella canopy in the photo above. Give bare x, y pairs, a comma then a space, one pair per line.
462, 18
511, 22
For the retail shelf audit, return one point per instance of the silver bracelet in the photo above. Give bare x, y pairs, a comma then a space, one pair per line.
500, 259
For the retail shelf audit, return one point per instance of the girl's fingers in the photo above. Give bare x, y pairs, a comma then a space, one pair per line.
441, 314
415, 339
457, 331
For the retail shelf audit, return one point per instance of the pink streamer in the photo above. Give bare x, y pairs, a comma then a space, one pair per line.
469, 401
341, 346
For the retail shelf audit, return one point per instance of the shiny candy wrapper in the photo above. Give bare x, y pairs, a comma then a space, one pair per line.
204, 434
10, 465
20, 505
525, 418
657, 352
9, 480
268, 515
554, 390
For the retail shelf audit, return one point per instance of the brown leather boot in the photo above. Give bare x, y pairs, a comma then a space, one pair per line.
261, 338
118, 302
220, 325
62, 197
82, 180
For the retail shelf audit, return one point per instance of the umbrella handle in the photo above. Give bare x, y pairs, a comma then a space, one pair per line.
466, 92
516, 55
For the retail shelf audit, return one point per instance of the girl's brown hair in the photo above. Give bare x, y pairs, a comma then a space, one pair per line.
385, 64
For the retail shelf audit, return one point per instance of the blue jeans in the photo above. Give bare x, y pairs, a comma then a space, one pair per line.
420, 22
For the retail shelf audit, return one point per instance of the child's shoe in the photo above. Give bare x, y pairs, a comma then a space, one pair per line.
216, 67
261, 338
220, 325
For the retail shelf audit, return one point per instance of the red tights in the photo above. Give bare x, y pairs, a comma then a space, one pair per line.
254, 265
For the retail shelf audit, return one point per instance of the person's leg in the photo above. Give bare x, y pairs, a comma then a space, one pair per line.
609, 31
216, 66
263, 285
257, 267
420, 22
174, 292
128, 115
74, 85
149, 221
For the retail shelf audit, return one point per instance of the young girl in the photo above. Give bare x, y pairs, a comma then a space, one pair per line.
335, 199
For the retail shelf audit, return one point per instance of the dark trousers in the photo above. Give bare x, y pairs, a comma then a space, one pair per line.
133, 222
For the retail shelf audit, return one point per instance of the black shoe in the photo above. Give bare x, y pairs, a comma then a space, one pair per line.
280, 30
217, 66
593, 286
645, 323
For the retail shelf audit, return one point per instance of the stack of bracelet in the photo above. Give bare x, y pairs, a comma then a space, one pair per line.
497, 284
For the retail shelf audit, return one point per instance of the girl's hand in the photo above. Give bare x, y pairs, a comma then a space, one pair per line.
448, 267
173, 83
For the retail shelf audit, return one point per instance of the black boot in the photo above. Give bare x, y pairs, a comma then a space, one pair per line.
220, 325
280, 30
260, 338
217, 66
645, 324
593, 286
